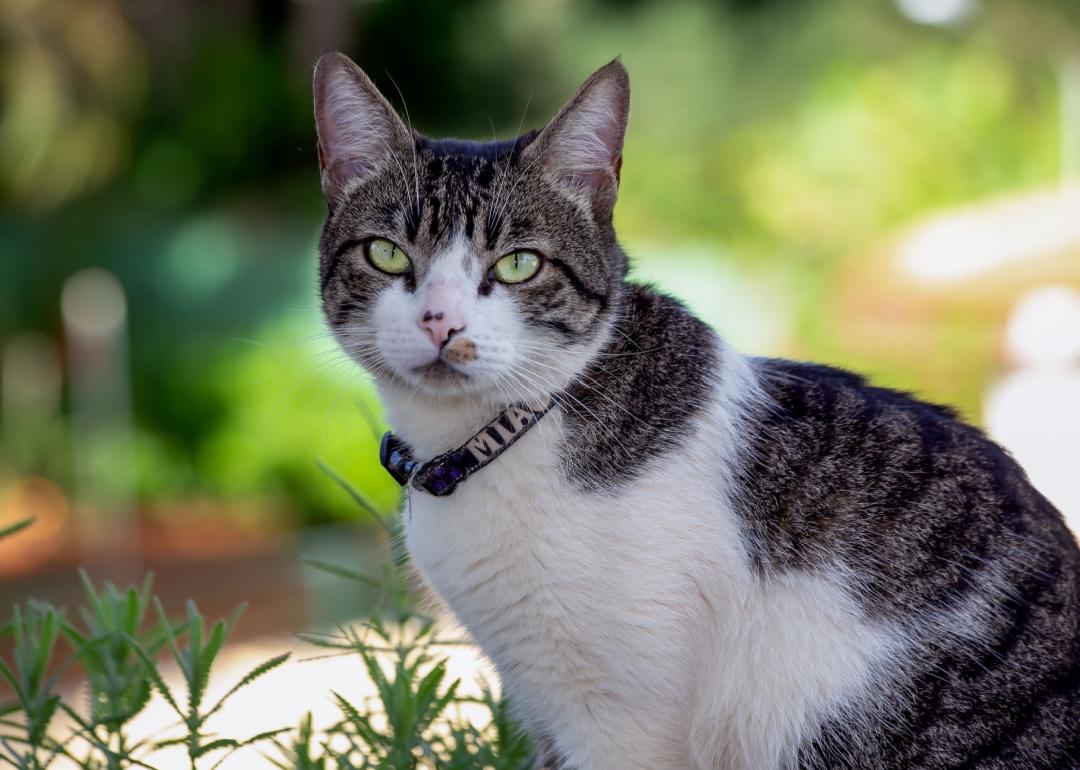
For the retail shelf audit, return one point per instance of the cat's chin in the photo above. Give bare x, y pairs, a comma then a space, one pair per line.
442, 380
444, 384
440, 374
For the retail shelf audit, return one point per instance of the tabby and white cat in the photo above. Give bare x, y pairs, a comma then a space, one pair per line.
695, 559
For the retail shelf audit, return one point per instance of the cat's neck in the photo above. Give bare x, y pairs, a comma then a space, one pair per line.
645, 391
430, 424
655, 364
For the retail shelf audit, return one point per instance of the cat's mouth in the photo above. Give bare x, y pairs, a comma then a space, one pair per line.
440, 372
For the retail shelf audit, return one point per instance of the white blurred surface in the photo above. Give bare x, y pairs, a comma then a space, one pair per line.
965, 244
1034, 411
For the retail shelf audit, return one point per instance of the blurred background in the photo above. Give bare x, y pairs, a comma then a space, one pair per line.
888, 185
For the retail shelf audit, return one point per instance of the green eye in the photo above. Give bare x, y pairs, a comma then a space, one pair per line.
387, 256
517, 266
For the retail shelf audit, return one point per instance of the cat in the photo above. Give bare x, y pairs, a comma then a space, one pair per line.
681, 557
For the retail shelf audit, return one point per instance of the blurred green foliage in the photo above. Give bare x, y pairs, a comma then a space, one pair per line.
172, 144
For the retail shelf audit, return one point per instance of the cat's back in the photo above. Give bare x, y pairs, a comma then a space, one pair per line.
943, 537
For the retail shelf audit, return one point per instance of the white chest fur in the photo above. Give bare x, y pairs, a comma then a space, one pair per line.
629, 627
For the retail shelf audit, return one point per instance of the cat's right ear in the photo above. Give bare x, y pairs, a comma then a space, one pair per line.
358, 129
582, 146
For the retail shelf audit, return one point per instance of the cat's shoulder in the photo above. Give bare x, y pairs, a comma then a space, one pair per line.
649, 312
801, 388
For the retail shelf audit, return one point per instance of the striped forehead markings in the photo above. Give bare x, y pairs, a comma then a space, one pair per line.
457, 188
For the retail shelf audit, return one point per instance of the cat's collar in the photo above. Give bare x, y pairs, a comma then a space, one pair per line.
441, 475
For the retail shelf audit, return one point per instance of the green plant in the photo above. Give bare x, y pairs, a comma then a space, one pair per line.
413, 697
116, 652
303, 752
118, 679
196, 660
18, 526
414, 721
25, 742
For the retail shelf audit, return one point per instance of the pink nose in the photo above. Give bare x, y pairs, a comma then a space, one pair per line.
440, 326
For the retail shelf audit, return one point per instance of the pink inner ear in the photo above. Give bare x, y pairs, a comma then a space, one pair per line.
355, 166
595, 181
611, 135
585, 140
357, 129
344, 170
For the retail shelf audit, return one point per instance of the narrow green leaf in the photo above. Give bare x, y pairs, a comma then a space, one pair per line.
213, 644
264, 736
220, 743
77, 718
374, 424
145, 592
205, 661
39, 723
356, 719
156, 638
265, 667
138, 695
9, 675
131, 611
440, 705
90, 591
74, 635
12, 756
112, 605
355, 495
18, 526
234, 618
196, 627
378, 678
155, 677
46, 641
344, 572
326, 641
139, 762
298, 765
170, 635
429, 684
168, 742
21, 647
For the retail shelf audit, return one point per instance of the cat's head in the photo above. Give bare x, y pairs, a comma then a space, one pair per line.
480, 270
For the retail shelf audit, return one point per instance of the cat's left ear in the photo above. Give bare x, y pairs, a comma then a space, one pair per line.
582, 146
359, 132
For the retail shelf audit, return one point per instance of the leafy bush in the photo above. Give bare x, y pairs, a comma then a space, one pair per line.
416, 720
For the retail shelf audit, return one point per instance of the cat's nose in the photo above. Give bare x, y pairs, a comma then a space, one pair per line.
440, 326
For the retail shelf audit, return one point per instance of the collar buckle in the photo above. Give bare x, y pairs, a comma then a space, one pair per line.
396, 457
441, 475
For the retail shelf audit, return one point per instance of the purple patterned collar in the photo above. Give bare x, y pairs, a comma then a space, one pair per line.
441, 475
